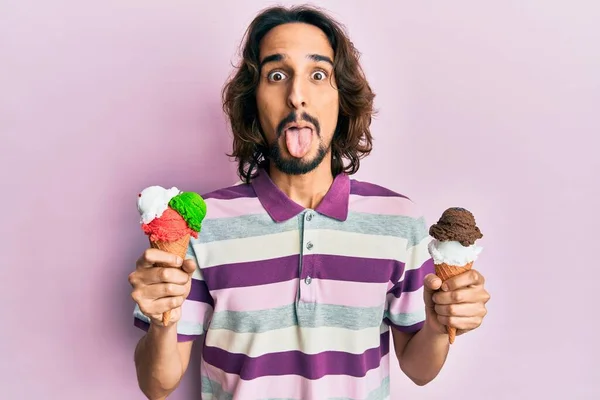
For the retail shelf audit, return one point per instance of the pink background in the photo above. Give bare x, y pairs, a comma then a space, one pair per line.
494, 107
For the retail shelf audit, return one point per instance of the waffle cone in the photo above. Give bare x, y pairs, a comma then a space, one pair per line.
445, 272
178, 247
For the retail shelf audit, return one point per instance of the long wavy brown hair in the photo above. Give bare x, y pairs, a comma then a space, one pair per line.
352, 139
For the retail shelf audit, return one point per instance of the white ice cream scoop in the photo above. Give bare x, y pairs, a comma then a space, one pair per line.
153, 201
452, 252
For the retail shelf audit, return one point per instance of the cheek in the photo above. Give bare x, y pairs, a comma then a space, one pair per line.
270, 110
329, 114
264, 115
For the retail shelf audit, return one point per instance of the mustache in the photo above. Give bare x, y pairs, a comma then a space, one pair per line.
293, 117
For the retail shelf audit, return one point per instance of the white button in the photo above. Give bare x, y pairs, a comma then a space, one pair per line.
308, 216
308, 280
309, 245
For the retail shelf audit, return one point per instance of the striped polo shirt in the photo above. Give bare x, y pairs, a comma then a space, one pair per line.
296, 303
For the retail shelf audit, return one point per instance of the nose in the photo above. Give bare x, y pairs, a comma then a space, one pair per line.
297, 94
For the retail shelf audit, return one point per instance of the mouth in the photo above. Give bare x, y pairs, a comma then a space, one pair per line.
298, 138
299, 126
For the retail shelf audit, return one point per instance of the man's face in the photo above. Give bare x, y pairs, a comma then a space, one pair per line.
297, 97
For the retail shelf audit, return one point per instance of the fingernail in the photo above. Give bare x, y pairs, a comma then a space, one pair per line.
179, 260
444, 287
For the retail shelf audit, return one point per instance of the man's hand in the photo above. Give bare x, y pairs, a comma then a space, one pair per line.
459, 303
161, 282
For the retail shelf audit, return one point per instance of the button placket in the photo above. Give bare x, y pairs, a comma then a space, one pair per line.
308, 240
308, 270
309, 248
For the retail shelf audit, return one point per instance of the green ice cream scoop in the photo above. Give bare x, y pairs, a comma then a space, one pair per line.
191, 207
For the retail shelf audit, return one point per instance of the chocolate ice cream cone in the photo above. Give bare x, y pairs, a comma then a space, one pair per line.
445, 272
178, 247
453, 246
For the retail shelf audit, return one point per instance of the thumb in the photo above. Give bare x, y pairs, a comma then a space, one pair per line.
431, 283
189, 266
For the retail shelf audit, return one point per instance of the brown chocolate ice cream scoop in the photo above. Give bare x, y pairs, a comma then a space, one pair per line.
456, 224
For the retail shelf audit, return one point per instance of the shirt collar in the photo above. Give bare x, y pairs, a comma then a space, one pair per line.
281, 208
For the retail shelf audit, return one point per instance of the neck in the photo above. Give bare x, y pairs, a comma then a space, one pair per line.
307, 190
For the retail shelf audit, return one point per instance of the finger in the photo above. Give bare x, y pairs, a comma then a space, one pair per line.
463, 280
152, 256
166, 304
461, 310
175, 316
465, 323
189, 266
160, 290
168, 275
466, 295
160, 306
432, 282
164, 275
155, 307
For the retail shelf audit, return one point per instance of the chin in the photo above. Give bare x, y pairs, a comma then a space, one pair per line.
287, 164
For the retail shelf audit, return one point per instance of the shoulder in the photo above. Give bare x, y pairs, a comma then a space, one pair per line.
377, 199
392, 211
369, 189
229, 202
236, 191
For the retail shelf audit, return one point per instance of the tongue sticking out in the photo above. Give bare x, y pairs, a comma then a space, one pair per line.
298, 141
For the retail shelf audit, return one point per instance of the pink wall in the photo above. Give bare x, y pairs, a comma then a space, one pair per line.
491, 107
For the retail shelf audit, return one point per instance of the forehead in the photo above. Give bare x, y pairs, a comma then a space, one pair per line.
295, 40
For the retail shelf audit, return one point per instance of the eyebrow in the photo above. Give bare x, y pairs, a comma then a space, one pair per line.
279, 57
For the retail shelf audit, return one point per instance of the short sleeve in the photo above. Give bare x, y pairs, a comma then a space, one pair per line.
405, 308
196, 310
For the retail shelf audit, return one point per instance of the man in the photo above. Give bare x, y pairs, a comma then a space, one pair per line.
300, 273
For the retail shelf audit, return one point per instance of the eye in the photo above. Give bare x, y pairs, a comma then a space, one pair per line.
319, 75
276, 76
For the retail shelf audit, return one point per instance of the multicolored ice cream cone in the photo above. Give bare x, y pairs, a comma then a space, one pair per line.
170, 218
